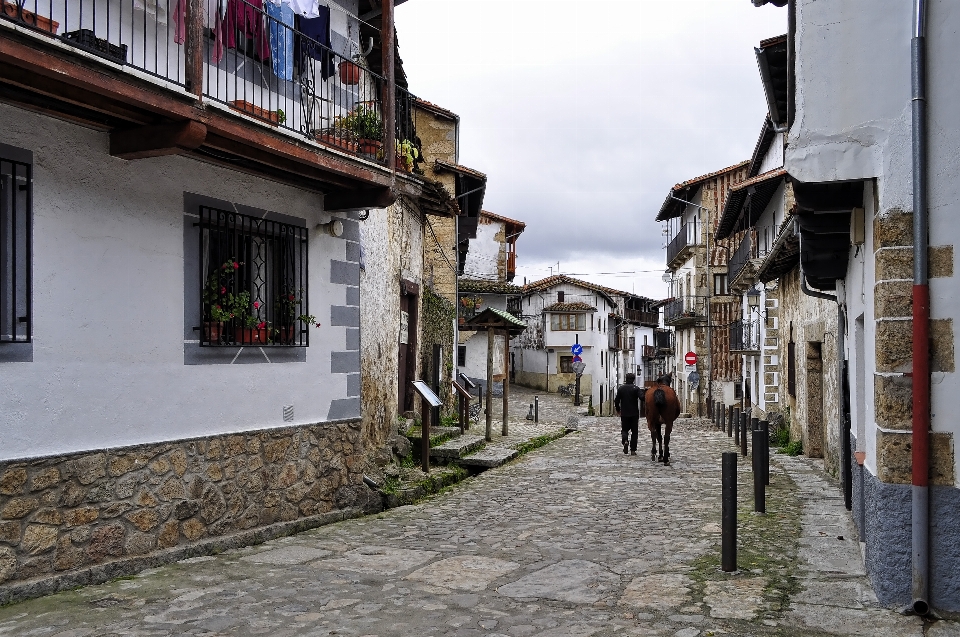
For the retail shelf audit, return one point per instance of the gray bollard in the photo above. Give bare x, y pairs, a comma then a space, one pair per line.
536, 409
759, 489
736, 425
754, 456
728, 526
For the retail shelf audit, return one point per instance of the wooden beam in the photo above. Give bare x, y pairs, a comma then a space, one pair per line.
156, 141
360, 199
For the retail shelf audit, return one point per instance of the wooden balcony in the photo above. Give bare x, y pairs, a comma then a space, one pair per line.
651, 319
319, 122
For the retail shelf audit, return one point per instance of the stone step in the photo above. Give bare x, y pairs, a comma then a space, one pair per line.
489, 457
457, 447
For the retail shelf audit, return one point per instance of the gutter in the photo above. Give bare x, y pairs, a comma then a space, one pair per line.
920, 525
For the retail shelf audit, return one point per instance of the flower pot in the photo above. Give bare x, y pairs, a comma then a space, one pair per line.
270, 117
212, 331
370, 146
288, 335
338, 142
9, 9
349, 73
254, 336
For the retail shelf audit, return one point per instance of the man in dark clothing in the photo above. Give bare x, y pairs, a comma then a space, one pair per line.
627, 405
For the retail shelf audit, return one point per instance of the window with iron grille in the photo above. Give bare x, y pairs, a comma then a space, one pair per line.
253, 278
791, 369
16, 219
461, 355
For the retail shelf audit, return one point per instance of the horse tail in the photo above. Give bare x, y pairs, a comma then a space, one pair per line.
659, 397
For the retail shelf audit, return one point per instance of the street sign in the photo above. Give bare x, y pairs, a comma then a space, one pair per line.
694, 379
578, 367
690, 358
576, 358
577, 349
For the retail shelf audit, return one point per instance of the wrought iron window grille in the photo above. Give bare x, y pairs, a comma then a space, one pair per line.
253, 281
16, 232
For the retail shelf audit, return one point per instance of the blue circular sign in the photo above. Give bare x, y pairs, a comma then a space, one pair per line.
577, 349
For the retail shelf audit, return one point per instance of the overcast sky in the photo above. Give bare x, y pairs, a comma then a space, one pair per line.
584, 113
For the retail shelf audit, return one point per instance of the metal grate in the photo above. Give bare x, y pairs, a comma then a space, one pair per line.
16, 201
253, 281
288, 413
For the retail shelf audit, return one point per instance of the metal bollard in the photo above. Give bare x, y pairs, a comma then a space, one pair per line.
759, 488
754, 426
764, 436
730, 424
743, 435
536, 409
736, 425
728, 517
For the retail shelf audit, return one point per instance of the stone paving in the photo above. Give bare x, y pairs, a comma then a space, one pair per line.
573, 539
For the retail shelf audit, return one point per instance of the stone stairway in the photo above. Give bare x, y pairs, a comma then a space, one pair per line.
457, 447
489, 457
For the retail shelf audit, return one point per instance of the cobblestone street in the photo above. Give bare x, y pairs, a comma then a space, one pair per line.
573, 539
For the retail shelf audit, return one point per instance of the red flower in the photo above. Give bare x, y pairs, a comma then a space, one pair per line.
256, 305
291, 297
219, 308
261, 325
223, 290
318, 325
236, 266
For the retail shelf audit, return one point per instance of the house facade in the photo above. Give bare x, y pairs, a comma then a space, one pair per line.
863, 267
697, 276
181, 249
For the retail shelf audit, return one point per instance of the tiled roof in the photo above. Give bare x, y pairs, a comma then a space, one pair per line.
570, 307
672, 208
476, 174
507, 220
765, 185
557, 279
437, 110
478, 286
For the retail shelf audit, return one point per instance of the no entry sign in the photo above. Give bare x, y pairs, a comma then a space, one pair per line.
690, 358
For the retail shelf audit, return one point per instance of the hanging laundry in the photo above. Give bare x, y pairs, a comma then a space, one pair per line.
155, 8
316, 31
280, 19
245, 18
216, 15
306, 8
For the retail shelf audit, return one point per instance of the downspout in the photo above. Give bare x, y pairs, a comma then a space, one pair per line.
920, 525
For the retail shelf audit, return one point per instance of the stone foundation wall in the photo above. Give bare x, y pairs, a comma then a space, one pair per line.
63, 514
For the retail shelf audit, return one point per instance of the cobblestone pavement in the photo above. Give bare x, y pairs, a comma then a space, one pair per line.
574, 539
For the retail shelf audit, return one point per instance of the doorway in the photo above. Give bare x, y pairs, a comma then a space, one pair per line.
813, 445
407, 344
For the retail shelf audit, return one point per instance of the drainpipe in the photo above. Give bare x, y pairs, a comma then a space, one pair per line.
920, 526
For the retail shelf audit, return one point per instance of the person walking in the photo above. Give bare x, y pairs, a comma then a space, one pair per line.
627, 405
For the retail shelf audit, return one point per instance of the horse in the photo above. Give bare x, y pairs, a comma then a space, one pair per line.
661, 407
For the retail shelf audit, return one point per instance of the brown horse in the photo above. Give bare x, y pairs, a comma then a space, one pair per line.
661, 407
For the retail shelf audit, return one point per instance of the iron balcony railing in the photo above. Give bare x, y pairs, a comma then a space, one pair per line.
649, 351
745, 336
688, 308
688, 236
663, 339
740, 257
257, 58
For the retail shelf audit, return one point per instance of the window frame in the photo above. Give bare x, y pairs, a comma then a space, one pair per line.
461, 355
561, 321
270, 265
16, 284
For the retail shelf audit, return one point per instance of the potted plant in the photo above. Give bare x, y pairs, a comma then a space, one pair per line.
364, 122
255, 330
349, 72
288, 304
407, 154
338, 138
220, 304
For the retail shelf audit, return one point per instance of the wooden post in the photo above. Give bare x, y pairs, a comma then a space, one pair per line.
506, 382
489, 410
425, 410
387, 44
193, 49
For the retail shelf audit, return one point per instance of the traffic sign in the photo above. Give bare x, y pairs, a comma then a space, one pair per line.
577, 349
576, 358
690, 358
578, 368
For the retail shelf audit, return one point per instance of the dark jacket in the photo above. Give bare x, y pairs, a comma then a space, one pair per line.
628, 401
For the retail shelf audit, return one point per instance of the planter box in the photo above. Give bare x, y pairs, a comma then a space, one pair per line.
10, 10
88, 41
270, 117
338, 142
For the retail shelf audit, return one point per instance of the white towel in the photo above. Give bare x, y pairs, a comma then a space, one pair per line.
306, 8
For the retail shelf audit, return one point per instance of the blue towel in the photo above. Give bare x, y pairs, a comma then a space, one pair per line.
281, 39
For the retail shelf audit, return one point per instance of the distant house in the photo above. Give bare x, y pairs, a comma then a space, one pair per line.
562, 311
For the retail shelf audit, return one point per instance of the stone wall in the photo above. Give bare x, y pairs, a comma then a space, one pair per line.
66, 514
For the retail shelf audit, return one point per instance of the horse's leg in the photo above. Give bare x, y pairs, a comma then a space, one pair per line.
660, 440
653, 439
666, 443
